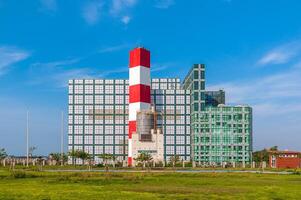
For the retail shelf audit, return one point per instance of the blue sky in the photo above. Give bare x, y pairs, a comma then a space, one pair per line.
251, 48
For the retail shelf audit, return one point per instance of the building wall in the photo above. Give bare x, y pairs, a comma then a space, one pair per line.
98, 117
285, 160
223, 134
195, 83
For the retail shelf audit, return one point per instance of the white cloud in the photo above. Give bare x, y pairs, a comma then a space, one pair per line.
121, 9
56, 63
279, 90
281, 54
164, 4
50, 5
114, 48
120, 6
10, 56
92, 11
126, 19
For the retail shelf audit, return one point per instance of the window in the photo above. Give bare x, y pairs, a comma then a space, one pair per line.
180, 150
109, 149
202, 74
78, 119
78, 109
70, 139
170, 100
98, 99
88, 89
98, 139
70, 89
195, 85
170, 150
170, 129
78, 139
98, 89
109, 99
119, 89
98, 129
88, 139
180, 140
109, 89
78, 89
196, 74
78, 129
89, 149
78, 99
119, 130
89, 129
70, 99
180, 130
180, 99
88, 99
119, 99
98, 150
119, 140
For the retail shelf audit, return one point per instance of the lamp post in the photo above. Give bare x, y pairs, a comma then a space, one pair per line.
62, 139
27, 138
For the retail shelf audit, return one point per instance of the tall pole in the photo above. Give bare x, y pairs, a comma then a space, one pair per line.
27, 139
62, 139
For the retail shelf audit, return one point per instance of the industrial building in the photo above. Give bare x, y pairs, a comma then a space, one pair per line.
285, 159
161, 117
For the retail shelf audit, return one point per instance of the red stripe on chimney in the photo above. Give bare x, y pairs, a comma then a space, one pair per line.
140, 57
139, 93
132, 128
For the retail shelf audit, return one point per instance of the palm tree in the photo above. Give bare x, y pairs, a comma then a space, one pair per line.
58, 157
106, 158
144, 158
3, 154
83, 155
74, 155
55, 156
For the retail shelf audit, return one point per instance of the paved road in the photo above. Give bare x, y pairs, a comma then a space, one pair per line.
175, 171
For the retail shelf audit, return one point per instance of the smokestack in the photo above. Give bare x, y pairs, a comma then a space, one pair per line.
139, 90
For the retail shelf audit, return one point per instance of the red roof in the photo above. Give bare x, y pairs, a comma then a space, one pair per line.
284, 152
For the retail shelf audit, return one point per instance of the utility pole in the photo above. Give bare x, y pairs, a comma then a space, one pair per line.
62, 139
27, 139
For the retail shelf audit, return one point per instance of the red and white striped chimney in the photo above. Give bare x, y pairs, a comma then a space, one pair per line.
139, 90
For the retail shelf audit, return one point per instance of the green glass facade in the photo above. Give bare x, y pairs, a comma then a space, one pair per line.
224, 134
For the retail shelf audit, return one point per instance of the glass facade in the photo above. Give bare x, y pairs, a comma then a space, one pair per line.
98, 117
223, 134
214, 98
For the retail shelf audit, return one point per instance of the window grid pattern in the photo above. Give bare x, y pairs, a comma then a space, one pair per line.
98, 116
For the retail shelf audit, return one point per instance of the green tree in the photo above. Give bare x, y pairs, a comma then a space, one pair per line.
106, 158
40, 163
58, 157
55, 157
3, 154
83, 155
263, 155
144, 158
74, 155
174, 160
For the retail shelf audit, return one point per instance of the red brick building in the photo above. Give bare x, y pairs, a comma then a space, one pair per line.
285, 159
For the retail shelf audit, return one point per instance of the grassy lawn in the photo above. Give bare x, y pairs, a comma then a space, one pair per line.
96, 185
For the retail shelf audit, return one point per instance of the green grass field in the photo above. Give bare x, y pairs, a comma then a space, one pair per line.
96, 185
